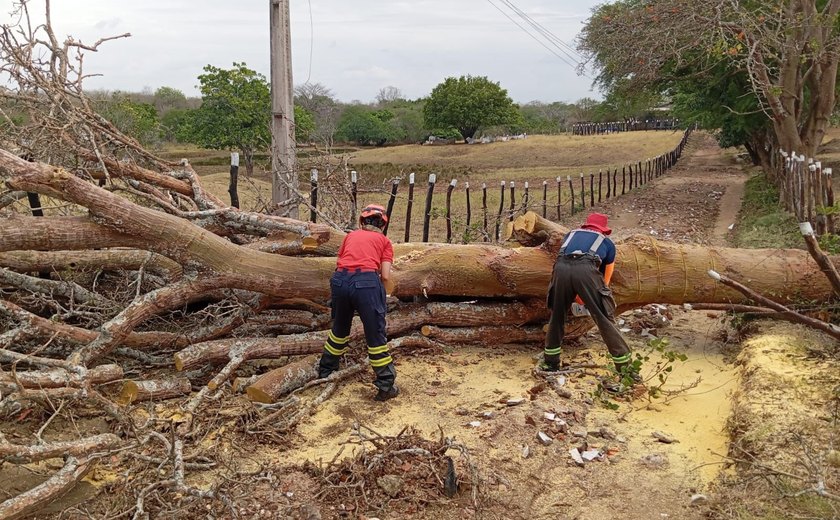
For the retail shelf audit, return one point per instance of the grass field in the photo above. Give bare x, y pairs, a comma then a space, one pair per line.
534, 159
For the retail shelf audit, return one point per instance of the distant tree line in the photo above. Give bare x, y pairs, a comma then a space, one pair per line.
234, 113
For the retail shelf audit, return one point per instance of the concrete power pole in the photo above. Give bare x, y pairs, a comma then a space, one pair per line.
284, 178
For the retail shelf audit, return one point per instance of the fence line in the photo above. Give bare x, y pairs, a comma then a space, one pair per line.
491, 227
805, 189
629, 125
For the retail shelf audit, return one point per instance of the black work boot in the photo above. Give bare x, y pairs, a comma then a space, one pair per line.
625, 378
384, 395
385, 377
327, 365
549, 363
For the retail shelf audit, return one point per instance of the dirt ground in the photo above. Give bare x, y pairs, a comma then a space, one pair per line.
770, 401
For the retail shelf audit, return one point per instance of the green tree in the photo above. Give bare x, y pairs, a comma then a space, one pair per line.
469, 103
786, 51
545, 118
235, 111
176, 126
168, 98
304, 125
139, 120
320, 102
365, 126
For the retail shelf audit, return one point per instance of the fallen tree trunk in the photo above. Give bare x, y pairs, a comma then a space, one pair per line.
487, 336
36, 498
647, 271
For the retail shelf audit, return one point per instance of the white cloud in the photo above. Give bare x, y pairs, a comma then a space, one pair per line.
357, 47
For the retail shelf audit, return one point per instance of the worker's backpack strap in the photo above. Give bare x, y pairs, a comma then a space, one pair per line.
566, 242
597, 243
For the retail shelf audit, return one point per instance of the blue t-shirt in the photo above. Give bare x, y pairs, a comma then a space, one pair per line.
584, 239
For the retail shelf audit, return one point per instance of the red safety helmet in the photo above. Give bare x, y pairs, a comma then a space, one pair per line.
372, 210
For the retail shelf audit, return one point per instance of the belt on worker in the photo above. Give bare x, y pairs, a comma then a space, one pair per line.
355, 270
578, 256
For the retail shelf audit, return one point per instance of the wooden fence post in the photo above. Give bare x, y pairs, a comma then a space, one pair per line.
234, 180
409, 206
484, 210
623, 180
592, 190
829, 200
469, 204
559, 195
35, 203
630, 168
449, 191
600, 184
354, 194
394, 186
819, 194
571, 196
809, 190
545, 199
526, 199
501, 210
615, 182
313, 194
428, 212
512, 201
582, 193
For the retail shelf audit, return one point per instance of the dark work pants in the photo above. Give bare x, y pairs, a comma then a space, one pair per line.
358, 292
580, 276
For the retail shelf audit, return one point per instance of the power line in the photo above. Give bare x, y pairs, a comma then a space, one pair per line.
311, 41
536, 39
564, 47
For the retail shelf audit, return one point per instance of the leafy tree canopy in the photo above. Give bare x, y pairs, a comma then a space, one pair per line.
139, 120
366, 126
304, 125
235, 111
469, 103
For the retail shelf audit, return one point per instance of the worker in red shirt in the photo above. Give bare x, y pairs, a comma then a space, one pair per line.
364, 262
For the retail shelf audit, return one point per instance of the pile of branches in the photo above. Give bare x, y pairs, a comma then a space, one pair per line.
405, 470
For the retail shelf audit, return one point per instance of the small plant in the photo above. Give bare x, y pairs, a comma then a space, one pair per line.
656, 352
664, 365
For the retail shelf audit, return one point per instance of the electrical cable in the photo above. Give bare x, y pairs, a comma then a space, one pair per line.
311, 41
567, 49
549, 49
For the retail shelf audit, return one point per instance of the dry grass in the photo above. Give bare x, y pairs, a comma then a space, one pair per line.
535, 159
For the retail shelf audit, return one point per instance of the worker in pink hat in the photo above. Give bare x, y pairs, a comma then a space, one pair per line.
582, 272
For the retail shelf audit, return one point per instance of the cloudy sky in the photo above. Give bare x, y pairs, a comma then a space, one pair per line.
354, 47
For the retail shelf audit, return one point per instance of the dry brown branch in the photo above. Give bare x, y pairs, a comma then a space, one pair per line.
31, 501
828, 328
19, 454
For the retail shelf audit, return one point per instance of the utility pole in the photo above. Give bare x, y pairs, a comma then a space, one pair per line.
284, 177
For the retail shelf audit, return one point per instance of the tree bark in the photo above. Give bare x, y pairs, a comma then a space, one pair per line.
18, 454
109, 260
154, 390
36, 498
280, 381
